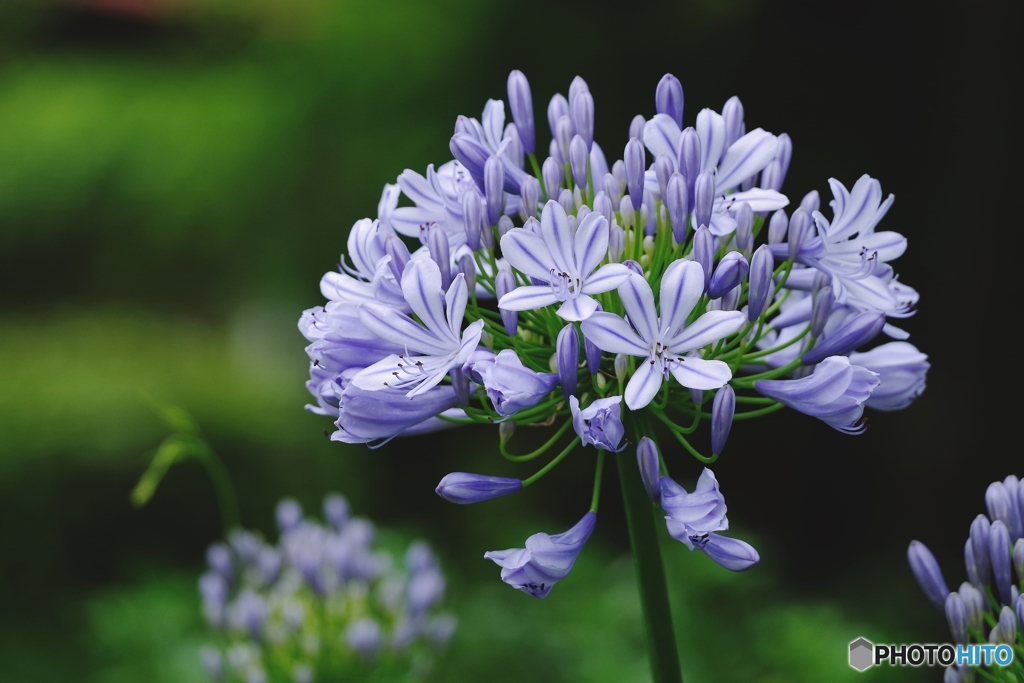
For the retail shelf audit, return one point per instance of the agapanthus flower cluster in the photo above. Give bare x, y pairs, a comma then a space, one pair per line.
988, 607
323, 604
668, 287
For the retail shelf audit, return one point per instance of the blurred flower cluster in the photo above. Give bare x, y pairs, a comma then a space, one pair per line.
988, 607
321, 605
606, 299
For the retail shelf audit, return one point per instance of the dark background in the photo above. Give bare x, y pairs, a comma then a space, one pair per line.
175, 177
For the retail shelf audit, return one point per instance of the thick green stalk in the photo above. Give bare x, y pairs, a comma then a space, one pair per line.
650, 572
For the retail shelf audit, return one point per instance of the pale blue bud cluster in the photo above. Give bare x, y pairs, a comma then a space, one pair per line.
322, 604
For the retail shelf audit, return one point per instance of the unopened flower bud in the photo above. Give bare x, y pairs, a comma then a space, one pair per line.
505, 282
603, 205
363, 636
494, 182
505, 430
557, 108
956, 616
529, 193
1006, 628
688, 161
974, 602
633, 158
732, 113
1004, 508
577, 86
926, 571
520, 101
611, 188
634, 266
697, 396
668, 98
801, 227
437, 244
973, 575
676, 201
619, 173
762, 266
583, 117
745, 229
514, 152
465, 487
552, 174
567, 201
980, 531
731, 271
1018, 558
467, 266
621, 364
811, 201
1019, 609
289, 514
703, 198
593, 355
821, 309
505, 224
729, 301
704, 252
999, 555
472, 218
563, 136
578, 157
636, 127
219, 558
722, 410
650, 467
616, 243
627, 212
664, 167
567, 347
778, 225
856, 331
460, 383
336, 510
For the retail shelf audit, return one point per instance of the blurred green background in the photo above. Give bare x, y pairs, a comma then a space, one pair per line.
175, 176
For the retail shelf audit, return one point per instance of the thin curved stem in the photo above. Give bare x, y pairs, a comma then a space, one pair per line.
551, 465
540, 451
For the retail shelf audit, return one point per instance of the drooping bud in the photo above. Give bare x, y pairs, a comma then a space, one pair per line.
821, 309
999, 555
505, 431
636, 127
399, 253
583, 117
529, 193
648, 461
465, 487
703, 198
732, 113
745, 229
633, 157
668, 98
627, 212
688, 162
800, 229
926, 571
664, 167
616, 243
472, 217
856, 331
621, 364
437, 244
552, 174
722, 410
778, 225
811, 202
563, 136
578, 157
956, 616
762, 266
557, 108
505, 282
567, 348
979, 540
676, 201
603, 205
731, 271
494, 182
520, 101
697, 396
704, 252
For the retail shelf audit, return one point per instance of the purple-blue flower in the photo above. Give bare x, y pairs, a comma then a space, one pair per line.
567, 264
599, 423
465, 487
901, 372
926, 571
649, 462
545, 560
665, 340
834, 393
512, 386
695, 518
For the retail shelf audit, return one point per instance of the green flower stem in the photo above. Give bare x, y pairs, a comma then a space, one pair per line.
650, 572
595, 498
540, 451
551, 465
758, 413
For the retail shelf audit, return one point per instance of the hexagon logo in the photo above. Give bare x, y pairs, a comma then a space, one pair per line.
862, 654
